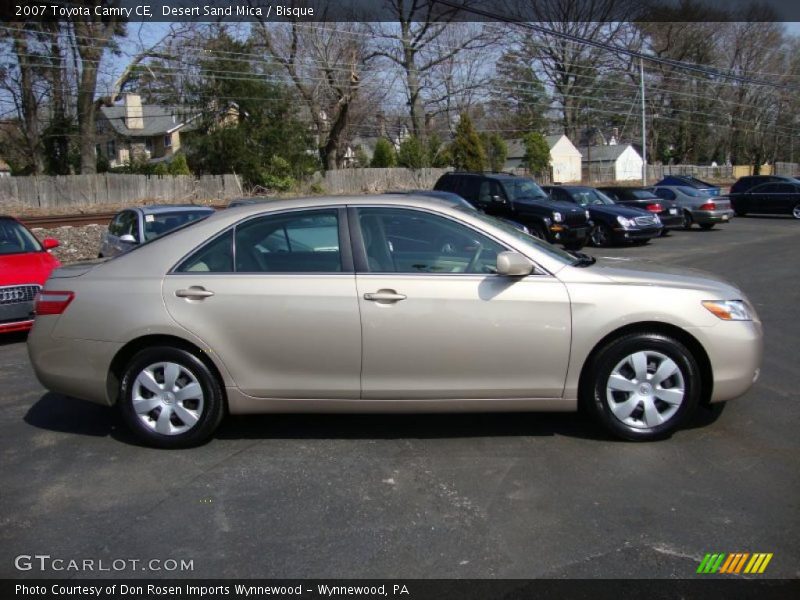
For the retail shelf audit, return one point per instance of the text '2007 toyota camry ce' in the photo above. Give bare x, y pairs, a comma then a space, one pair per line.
385, 304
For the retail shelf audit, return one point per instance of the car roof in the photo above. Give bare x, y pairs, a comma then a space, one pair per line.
155, 209
488, 175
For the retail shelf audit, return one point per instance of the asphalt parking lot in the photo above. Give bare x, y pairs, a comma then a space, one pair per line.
498, 496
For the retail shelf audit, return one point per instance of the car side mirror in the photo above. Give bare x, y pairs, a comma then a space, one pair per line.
128, 238
49, 243
513, 264
498, 199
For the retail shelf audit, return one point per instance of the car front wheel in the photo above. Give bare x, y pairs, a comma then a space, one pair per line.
600, 236
643, 386
170, 398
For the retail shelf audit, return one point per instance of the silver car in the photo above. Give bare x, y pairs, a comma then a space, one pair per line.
697, 206
355, 304
141, 224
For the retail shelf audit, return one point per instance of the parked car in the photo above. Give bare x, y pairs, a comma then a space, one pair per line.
613, 223
696, 206
141, 224
454, 200
25, 264
520, 199
743, 184
774, 198
668, 212
247, 201
693, 182
349, 304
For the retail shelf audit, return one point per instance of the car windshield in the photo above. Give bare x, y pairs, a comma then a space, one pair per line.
643, 195
15, 238
156, 225
517, 189
691, 192
590, 197
565, 257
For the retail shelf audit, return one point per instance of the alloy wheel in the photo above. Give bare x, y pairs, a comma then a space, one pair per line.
599, 236
796, 212
167, 398
645, 389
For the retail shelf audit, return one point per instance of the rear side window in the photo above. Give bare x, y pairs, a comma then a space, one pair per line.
665, 193
298, 242
214, 257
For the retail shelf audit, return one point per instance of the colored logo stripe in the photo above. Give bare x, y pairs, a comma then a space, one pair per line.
734, 563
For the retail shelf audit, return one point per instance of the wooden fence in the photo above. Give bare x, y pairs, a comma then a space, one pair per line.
85, 191
366, 181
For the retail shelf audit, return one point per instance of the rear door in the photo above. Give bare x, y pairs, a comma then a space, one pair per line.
279, 307
438, 323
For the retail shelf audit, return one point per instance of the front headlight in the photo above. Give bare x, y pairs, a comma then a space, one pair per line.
625, 222
729, 310
588, 216
557, 217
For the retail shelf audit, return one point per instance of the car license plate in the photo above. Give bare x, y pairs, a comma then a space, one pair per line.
673, 211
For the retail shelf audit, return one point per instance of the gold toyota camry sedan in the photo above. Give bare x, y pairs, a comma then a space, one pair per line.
385, 304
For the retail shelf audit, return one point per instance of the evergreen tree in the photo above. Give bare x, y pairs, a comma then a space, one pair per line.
466, 150
495, 149
537, 153
384, 155
412, 154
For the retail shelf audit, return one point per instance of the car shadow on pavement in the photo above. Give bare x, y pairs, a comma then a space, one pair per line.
398, 426
17, 337
63, 414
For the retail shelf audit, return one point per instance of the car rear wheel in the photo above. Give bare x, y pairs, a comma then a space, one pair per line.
170, 398
706, 226
600, 236
687, 220
740, 213
796, 212
643, 386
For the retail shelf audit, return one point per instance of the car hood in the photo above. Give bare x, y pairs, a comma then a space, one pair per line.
640, 272
30, 267
615, 210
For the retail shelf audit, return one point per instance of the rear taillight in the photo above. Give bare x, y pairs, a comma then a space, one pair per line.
52, 303
655, 207
708, 206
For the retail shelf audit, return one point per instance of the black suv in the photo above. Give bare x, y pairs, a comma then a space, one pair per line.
520, 199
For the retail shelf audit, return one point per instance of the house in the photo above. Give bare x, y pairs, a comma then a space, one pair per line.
617, 162
5, 170
144, 132
565, 158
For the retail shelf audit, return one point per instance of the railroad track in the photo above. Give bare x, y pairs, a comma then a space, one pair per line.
53, 221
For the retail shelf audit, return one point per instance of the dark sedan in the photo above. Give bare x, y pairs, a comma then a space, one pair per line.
613, 223
669, 212
774, 198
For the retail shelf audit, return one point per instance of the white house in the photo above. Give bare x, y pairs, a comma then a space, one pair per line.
621, 161
565, 158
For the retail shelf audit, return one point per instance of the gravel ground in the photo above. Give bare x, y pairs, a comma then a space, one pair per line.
75, 243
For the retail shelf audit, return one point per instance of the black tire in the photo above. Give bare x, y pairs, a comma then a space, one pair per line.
706, 226
213, 400
687, 220
595, 396
601, 236
664, 232
740, 213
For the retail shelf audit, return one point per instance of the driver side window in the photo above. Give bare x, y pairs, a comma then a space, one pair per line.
411, 241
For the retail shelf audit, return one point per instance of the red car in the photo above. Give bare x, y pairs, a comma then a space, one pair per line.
25, 265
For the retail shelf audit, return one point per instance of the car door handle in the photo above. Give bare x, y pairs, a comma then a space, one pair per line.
195, 293
384, 296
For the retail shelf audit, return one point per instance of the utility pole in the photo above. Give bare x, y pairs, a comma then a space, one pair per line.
644, 126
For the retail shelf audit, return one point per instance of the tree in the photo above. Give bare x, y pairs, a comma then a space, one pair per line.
495, 149
518, 101
179, 166
384, 155
537, 153
412, 154
466, 150
246, 123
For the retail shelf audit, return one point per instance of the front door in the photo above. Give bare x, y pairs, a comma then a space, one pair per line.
283, 315
437, 322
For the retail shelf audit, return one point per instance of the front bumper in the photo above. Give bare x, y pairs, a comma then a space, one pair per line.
735, 350
16, 316
569, 234
712, 216
638, 234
